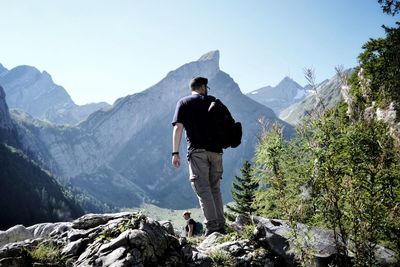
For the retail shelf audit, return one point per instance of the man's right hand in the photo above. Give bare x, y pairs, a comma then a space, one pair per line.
176, 161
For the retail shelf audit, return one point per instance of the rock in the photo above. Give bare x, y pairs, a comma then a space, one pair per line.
92, 220
209, 241
14, 234
14, 262
385, 257
240, 222
120, 241
277, 236
168, 226
112, 257
75, 247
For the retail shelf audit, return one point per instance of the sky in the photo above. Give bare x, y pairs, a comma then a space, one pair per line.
101, 50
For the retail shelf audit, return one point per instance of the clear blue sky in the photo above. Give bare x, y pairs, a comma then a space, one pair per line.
101, 50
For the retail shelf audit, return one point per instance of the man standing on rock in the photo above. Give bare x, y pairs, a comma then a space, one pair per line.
204, 156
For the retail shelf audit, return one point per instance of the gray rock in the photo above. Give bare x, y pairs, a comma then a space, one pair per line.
277, 236
92, 220
209, 241
121, 240
386, 257
112, 257
14, 262
168, 226
14, 234
73, 248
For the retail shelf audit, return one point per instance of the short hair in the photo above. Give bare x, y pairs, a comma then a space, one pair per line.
197, 82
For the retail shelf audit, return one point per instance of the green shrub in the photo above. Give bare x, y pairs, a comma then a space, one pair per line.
222, 258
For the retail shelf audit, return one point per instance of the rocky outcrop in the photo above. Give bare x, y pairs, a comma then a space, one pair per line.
317, 244
131, 239
122, 239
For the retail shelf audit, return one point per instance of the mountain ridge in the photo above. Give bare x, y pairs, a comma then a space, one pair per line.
126, 148
279, 97
36, 93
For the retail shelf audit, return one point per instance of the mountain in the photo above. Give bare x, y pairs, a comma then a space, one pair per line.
5, 120
34, 92
279, 97
7, 128
121, 155
328, 91
29, 195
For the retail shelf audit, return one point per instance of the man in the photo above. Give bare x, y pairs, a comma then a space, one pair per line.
204, 156
190, 227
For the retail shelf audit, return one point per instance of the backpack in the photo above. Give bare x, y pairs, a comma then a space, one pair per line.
199, 228
224, 131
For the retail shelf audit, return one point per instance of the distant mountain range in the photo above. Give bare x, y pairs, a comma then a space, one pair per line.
281, 96
34, 92
121, 155
28, 194
327, 91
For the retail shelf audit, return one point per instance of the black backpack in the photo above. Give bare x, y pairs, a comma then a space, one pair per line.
224, 131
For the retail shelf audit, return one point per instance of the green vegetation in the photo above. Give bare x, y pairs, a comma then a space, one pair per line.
195, 240
29, 194
243, 194
48, 254
342, 170
232, 235
132, 223
222, 258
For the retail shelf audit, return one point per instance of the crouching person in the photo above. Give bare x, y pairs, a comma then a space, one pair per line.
192, 227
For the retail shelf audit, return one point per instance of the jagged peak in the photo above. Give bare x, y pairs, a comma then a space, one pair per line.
212, 55
287, 80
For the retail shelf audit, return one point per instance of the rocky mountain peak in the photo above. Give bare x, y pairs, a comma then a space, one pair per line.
287, 81
212, 55
284, 94
2, 69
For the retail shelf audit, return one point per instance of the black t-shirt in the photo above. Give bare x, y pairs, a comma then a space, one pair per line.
192, 112
190, 221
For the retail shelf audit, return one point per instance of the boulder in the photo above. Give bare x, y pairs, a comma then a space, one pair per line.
277, 236
15, 234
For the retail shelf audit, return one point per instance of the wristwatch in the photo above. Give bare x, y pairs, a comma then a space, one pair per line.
175, 153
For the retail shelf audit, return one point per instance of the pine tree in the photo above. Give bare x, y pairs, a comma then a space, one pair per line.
243, 193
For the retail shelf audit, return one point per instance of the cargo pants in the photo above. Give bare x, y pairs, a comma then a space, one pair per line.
205, 170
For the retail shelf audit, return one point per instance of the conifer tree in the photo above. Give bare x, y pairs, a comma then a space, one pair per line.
243, 193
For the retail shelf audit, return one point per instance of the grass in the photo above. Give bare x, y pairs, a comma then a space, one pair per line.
47, 253
222, 258
195, 240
